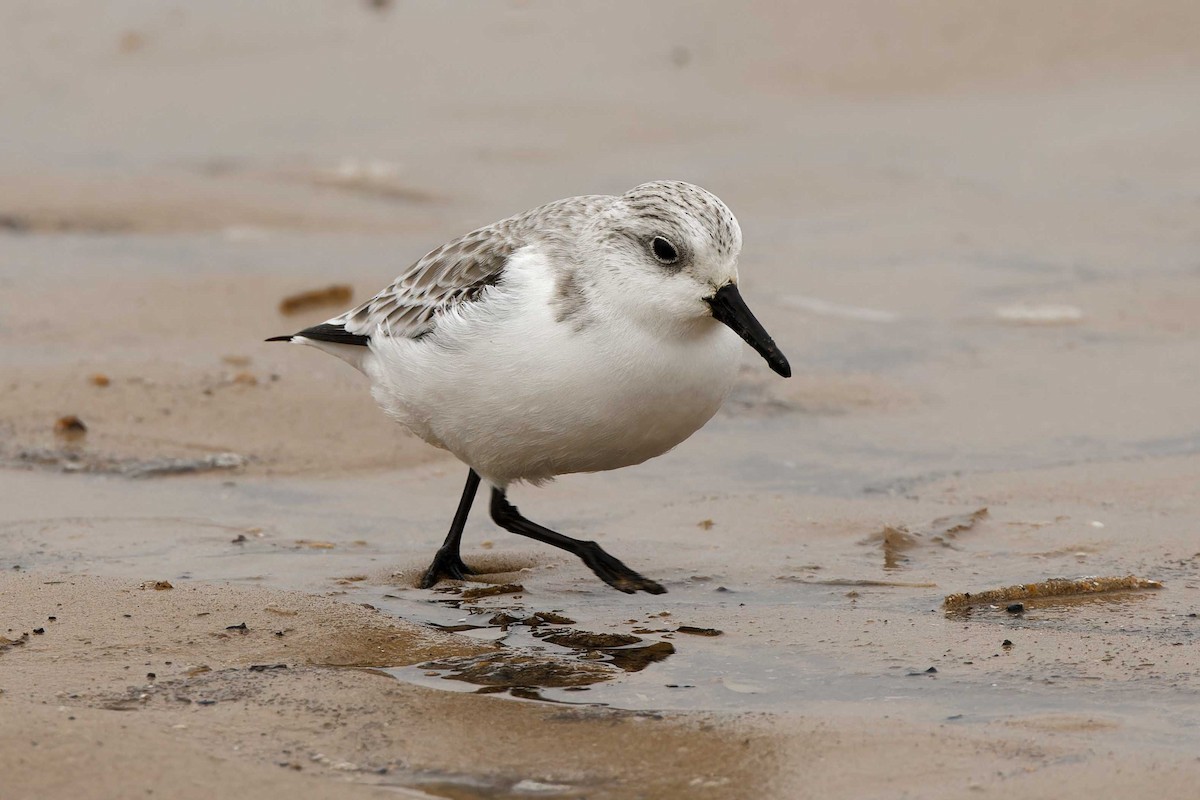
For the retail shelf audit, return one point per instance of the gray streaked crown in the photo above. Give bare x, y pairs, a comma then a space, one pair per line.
663, 201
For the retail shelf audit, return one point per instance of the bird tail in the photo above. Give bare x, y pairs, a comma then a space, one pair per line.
327, 332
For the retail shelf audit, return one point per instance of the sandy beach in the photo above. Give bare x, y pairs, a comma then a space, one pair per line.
973, 229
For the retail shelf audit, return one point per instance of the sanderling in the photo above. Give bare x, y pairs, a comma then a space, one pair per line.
588, 334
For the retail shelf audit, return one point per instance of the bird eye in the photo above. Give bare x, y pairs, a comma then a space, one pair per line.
663, 250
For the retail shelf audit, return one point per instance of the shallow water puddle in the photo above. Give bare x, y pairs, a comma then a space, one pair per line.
811, 622
792, 646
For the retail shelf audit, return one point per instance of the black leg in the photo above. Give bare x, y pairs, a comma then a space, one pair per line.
607, 568
448, 563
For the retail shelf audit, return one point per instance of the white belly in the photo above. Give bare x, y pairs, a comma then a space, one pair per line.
519, 396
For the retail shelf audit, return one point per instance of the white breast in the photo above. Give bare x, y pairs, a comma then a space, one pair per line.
520, 396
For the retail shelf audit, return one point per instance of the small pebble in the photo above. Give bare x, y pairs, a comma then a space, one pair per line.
70, 427
1016, 608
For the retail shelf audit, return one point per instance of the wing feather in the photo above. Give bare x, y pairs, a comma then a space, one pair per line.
460, 271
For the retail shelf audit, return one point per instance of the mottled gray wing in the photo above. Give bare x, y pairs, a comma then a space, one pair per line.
454, 273
458, 272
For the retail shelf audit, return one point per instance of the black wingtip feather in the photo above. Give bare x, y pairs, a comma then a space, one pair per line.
326, 332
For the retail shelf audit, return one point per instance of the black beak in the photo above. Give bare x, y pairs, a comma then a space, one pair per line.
729, 308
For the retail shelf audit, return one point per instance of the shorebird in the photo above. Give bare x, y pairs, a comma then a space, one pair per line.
587, 334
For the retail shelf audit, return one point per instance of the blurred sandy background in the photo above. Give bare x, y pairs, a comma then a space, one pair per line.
973, 227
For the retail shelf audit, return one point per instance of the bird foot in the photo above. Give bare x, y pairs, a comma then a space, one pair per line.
610, 570
447, 565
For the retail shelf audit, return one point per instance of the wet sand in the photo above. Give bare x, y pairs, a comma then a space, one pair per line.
974, 233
